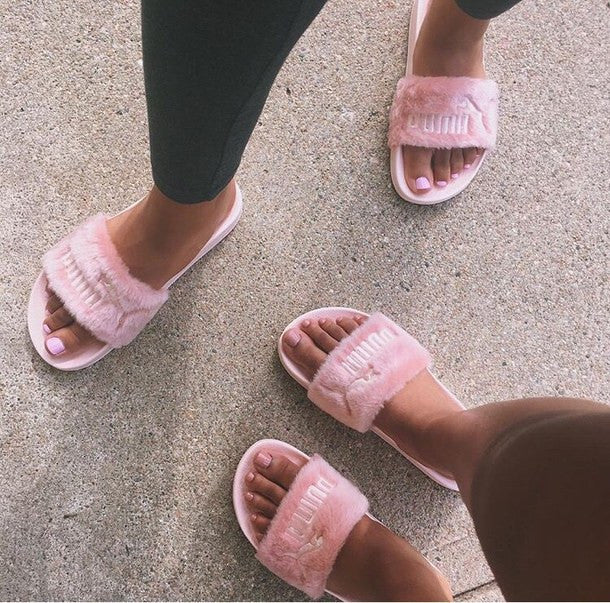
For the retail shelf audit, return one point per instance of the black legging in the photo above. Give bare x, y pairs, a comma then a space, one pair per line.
485, 9
208, 68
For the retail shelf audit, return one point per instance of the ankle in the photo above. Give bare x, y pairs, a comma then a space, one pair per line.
160, 206
158, 236
420, 419
449, 21
377, 565
451, 43
447, 30
424, 395
448, 56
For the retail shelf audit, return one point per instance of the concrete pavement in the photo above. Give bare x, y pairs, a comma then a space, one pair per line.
115, 481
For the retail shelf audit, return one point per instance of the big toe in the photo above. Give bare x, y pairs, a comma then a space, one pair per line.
68, 339
278, 469
418, 168
300, 348
310, 343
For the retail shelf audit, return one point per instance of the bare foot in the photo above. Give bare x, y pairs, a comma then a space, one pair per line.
156, 239
406, 417
450, 43
373, 565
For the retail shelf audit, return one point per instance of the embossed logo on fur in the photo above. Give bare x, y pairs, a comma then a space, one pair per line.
302, 529
457, 123
88, 294
357, 361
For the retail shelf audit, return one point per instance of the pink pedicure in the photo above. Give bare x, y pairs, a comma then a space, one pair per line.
422, 183
56, 346
253, 517
249, 496
46, 328
454, 176
441, 183
306, 323
263, 459
292, 338
250, 477
467, 165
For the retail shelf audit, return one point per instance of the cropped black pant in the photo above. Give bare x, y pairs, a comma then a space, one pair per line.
208, 67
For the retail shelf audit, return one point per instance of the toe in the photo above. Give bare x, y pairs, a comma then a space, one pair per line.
470, 155
259, 484
348, 324
456, 162
299, 347
332, 328
261, 504
267, 485
441, 167
58, 319
319, 336
53, 302
418, 168
68, 339
278, 469
261, 523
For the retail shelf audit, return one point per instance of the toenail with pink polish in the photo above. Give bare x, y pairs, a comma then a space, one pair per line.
56, 346
422, 183
306, 323
263, 459
46, 328
249, 496
467, 165
454, 176
441, 183
250, 477
292, 338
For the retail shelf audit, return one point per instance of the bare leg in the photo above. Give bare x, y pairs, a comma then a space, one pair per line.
374, 564
454, 441
450, 44
156, 239
533, 473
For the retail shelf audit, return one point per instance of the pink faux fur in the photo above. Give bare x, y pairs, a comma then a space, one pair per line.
107, 300
311, 525
357, 377
444, 112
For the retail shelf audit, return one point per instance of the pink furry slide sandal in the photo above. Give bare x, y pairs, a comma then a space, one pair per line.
312, 522
87, 274
439, 113
364, 371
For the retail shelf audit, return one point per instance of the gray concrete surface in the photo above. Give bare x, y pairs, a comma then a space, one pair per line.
115, 482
